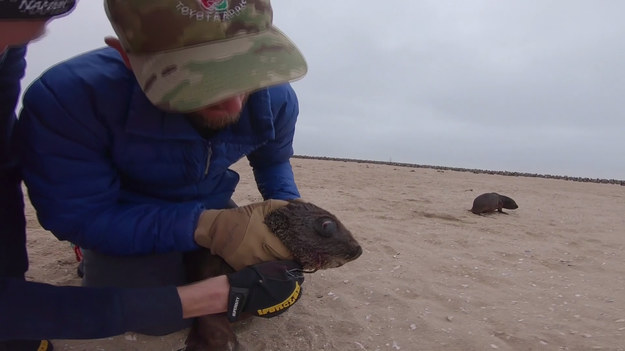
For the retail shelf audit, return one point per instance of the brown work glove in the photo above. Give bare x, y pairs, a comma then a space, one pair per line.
240, 236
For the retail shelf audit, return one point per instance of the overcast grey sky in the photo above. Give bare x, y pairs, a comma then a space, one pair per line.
514, 85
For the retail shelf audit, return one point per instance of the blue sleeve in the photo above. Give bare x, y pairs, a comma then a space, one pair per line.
41, 311
64, 145
271, 162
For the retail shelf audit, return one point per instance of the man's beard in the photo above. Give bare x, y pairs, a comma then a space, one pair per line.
211, 125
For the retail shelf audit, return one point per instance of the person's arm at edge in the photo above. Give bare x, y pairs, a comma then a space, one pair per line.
34, 310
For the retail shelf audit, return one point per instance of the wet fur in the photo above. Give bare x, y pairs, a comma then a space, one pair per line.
490, 202
315, 237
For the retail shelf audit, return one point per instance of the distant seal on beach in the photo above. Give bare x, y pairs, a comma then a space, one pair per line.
490, 202
315, 237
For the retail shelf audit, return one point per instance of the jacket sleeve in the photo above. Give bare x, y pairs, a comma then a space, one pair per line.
271, 162
12, 68
13, 259
41, 311
64, 145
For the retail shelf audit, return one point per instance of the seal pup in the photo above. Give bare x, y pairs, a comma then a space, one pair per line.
489, 202
315, 237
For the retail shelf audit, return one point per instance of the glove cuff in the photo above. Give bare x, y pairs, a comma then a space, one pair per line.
281, 307
203, 234
237, 298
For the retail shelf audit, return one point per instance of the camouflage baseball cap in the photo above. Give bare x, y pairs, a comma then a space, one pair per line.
188, 54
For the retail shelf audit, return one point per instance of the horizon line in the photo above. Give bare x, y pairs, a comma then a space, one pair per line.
471, 170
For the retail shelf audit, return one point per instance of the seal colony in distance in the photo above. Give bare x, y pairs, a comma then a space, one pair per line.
490, 202
315, 237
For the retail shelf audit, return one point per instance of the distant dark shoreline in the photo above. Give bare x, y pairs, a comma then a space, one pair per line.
478, 171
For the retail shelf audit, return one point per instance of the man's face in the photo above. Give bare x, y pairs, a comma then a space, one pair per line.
20, 32
219, 115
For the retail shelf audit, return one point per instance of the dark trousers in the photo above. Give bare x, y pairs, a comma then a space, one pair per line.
13, 258
136, 272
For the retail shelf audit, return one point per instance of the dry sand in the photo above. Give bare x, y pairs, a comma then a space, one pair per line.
433, 276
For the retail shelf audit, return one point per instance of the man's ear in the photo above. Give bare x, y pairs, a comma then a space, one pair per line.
117, 45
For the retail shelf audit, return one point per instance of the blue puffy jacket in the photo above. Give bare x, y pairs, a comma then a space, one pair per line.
31, 310
107, 170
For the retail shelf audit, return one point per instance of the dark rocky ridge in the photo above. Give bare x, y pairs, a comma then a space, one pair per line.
477, 171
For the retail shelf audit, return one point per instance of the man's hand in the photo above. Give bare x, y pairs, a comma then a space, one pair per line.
240, 236
266, 289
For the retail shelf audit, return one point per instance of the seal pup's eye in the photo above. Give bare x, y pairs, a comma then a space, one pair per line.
326, 227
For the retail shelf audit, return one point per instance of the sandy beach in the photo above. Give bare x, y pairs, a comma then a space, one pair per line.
549, 275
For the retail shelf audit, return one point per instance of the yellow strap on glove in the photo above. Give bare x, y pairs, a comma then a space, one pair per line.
240, 236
